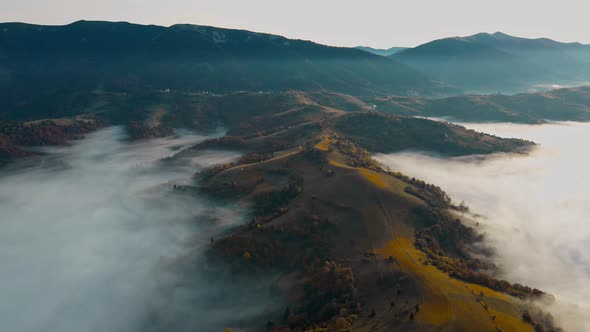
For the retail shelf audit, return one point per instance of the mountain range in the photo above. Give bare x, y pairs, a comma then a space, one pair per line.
53, 68
38, 64
499, 62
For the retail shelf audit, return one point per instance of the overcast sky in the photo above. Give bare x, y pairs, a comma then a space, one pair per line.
378, 23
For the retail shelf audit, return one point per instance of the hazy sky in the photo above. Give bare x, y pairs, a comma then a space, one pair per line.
379, 23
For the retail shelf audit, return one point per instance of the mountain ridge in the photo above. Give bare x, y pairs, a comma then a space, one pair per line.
42, 62
487, 63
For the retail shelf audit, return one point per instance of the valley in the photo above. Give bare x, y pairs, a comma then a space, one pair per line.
302, 156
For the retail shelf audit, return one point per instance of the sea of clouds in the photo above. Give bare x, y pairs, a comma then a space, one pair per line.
94, 238
535, 209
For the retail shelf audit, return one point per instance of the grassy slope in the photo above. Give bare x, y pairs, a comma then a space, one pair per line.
454, 304
377, 218
382, 133
344, 207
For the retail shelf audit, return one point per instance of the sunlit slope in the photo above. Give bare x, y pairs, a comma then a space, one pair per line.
331, 204
452, 304
444, 302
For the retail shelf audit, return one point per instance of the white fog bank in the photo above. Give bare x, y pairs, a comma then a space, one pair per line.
536, 208
95, 239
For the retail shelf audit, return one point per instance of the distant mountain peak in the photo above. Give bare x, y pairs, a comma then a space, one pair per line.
497, 34
502, 40
501, 34
451, 48
382, 52
498, 61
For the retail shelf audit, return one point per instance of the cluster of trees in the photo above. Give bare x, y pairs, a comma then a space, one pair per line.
300, 246
504, 286
8, 150
271, 201
541, 321
330, 301
429, 193
442, 234
139, 130
446, 243
357, 156
46, 132
330, 295
329, 291
254, 157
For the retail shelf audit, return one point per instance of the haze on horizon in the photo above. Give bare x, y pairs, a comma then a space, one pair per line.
381, 24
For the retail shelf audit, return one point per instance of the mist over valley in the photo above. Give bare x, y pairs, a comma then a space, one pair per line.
95, 238
201, 178
532, 209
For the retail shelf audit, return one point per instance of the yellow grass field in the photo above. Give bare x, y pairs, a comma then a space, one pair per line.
452, 304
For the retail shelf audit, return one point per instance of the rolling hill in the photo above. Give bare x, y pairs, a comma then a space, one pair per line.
354, 246
571, 104
499, 62
378, 132
389, 257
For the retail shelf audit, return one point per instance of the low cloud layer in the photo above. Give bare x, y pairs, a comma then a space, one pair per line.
536, 208
94, 239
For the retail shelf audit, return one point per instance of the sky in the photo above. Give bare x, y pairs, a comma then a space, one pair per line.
377, 23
